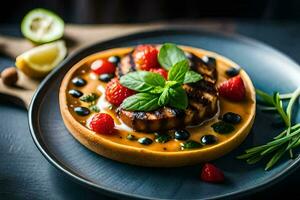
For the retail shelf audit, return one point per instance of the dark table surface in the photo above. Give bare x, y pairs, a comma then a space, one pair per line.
26, 174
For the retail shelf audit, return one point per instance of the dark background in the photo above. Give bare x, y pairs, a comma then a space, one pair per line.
25, 173
133, 11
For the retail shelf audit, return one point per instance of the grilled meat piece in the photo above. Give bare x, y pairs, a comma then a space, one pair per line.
202, 97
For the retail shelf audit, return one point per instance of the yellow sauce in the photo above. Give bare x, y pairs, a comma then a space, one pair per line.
96, 86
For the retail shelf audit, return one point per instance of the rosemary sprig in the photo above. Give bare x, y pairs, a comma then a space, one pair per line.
285, 141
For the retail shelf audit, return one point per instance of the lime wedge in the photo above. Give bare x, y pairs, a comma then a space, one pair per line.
39, 61
42, 26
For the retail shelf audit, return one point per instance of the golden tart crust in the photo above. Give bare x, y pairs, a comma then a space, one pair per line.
118, 148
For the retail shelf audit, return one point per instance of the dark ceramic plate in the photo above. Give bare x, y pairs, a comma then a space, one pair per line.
269, 69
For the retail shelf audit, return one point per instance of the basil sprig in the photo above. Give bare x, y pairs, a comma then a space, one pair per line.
153, 90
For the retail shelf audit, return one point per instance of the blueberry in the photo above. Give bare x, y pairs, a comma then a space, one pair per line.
209, 61
79, 82
106, 77
75, 93
222, 127
208, 139
114, 59
232, 118
182, 134
82, 111
145, 141
232, 71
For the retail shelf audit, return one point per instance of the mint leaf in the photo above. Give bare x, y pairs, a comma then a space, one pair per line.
142, 81
178, 71
164, 97
178, 98
169, 55
192, 77
141, 102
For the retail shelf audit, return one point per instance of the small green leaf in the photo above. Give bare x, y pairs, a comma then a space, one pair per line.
192, 77
222, 127
89, 97
164, 97
178, 71
178, 98
162, 138
141, 102
142, 81
169, 55
190, 144
94, 108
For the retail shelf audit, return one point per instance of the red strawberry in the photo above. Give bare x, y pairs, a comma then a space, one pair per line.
160, 71
211, 174
102, 123
233, 89
103, 66
145, 57
115, 93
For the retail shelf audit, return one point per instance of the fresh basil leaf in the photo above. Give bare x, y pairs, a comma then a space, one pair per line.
164, 97
192, 77
157, 90
169, 55
142, 81
178, 71
141, 102
178, 98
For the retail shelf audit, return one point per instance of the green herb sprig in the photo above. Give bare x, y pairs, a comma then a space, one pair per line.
91, 99
285, 141
153, 90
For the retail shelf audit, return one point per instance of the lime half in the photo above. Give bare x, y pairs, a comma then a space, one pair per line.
39, 61
42, 26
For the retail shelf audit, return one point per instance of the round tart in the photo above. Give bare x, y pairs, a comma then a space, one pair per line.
210, 126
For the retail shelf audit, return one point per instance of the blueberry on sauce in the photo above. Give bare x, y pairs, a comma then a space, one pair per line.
208, 139
232, 71
145, 141
75, 93
79, 82
209, 61
114, 59
231, 118
106, 77
182, 134
82, 111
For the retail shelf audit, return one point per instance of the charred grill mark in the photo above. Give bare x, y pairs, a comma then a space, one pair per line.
119, 71
139, 115
159, 113
204, 86
177, 112
202, 97
132, 63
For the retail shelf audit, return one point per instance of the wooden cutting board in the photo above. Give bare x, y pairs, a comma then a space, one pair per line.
78, 36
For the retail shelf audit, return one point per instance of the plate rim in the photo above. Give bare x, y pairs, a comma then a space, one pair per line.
33, 111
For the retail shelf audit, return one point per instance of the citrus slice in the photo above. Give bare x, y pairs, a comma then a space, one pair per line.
39, 61
42, 26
